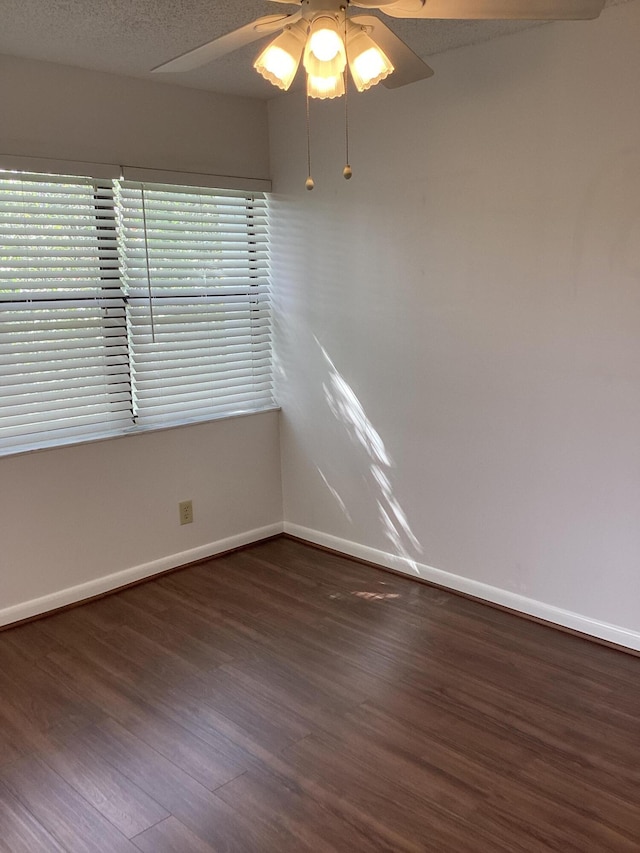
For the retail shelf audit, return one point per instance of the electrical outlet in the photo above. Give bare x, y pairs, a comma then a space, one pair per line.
185, 509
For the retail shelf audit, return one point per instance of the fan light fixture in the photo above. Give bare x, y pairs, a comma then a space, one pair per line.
325, 58
326, 37
367, 62
326, 51
278, 63
326, 41
325, 87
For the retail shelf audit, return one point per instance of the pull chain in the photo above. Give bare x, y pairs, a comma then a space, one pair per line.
309, 184
346, 172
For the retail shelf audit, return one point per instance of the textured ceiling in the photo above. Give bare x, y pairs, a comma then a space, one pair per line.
131, 36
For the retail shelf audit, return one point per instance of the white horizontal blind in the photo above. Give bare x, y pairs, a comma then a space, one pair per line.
195, 271
64, 371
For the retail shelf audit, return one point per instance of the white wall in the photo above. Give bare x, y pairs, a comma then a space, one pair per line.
460, 348
80, 520
76, 521
66, 113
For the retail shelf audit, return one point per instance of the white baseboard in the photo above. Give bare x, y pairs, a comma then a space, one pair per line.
496, 595
73, 594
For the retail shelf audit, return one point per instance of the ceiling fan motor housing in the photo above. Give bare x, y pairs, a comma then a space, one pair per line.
311, 8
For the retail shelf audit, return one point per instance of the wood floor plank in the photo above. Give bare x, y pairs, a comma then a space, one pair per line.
187, 701
237, 601
39, 701
118, 799
156, 721
10, 749
313, 681
172, 836
286, 699
195, 611
562, 706
63, 813
506, 786
409, 819
202, 811
134, 624
20, 832
201, 708
458, 715
31, 639
322, 829
210, 765
169, 786
268, 698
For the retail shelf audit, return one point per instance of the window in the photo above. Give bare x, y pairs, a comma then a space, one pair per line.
204, 253
124, 306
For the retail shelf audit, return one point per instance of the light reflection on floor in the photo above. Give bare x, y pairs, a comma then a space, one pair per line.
375, 596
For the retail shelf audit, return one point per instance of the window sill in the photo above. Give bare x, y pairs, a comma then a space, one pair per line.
129, 433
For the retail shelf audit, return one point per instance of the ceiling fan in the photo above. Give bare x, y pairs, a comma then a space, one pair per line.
328, 38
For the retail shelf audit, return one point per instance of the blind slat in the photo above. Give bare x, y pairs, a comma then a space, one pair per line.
208, 272
63, 353
122, 306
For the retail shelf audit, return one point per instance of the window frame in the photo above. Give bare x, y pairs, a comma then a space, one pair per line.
105, 192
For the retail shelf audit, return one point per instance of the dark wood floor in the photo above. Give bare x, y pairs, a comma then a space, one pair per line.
285, 699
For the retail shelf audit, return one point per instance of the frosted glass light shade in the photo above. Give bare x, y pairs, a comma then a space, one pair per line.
279, 61
367, 62
324, 54
325, 87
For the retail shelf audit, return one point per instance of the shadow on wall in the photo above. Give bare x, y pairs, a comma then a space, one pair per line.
349, 412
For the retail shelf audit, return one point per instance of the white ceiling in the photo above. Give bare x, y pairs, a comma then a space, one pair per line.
131, 36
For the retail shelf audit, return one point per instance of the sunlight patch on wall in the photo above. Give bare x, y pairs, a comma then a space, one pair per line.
335, 494
349, 411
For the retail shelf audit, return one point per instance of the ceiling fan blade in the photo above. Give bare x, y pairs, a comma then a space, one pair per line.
408, 66
227, 43
508, 10
380, 4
